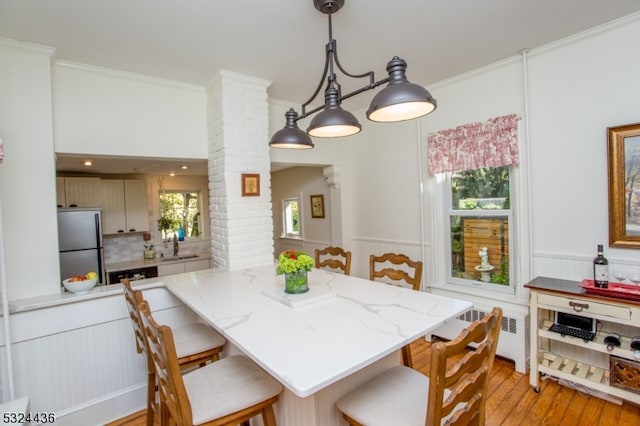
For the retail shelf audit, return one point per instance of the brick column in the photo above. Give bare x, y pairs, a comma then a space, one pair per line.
238, 133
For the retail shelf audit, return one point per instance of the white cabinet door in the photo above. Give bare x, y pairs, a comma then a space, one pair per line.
78, 192
170, 269
135, 202
196, 265
113, 213
124, 206
61, 200
177, 268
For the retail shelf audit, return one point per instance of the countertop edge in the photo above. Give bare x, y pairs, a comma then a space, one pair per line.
64, 297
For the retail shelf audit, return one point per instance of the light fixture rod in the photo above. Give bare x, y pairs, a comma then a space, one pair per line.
331, 55
401, 100
341, 98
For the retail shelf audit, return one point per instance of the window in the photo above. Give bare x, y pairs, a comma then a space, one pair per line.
180, 210
291, 217
479, 217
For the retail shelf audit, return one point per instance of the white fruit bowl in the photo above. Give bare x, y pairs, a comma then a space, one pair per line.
80, 286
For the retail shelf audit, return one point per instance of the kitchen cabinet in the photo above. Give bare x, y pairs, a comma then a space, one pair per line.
588, 364
78, 192
124, 206
180, 267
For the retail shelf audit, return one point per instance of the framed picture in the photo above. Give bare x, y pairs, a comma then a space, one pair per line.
317, 206
250, 184
624, 185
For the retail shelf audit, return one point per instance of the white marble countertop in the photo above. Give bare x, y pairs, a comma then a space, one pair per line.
312, 346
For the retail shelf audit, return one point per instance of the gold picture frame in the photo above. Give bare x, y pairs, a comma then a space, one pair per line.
624, 185
317, 206
250, 185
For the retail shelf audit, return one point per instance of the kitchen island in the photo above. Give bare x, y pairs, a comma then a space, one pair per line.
320, 344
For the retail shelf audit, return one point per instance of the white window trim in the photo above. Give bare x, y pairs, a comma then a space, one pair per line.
285, 234
448, 211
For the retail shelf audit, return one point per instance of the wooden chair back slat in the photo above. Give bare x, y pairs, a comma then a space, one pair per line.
173, 395
409, 271
462, 366
334, 258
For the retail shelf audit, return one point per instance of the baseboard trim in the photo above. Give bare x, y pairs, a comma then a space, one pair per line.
106, 409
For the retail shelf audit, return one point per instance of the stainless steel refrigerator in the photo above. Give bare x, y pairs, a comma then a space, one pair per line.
80, 242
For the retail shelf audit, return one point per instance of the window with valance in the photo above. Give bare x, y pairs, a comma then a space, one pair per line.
476, 158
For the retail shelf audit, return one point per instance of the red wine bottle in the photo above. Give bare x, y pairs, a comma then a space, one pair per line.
601, 270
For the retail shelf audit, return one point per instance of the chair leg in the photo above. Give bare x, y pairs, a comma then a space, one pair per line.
407, 360
268, 417
165, 416
151, 398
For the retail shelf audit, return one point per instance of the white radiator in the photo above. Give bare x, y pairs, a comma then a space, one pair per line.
514, 337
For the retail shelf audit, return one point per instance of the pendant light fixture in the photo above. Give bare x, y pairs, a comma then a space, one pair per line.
399, 101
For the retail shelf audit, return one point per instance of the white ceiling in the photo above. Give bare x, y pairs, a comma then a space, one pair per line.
283, 42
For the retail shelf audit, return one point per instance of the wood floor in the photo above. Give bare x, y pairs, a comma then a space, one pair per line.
512, 402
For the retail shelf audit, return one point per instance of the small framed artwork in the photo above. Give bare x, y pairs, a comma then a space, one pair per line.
317, 206
250, 184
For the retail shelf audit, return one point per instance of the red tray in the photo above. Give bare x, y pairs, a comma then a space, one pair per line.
618, 290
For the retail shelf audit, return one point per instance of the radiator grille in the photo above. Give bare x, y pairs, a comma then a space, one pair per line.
508, 324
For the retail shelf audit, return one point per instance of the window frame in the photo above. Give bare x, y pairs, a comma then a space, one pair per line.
449, 212
198, 192
285, 227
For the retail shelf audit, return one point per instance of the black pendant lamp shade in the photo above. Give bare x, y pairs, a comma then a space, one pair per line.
291, 136
400, 100
333, 122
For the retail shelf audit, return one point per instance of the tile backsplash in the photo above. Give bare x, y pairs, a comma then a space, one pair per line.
129, 247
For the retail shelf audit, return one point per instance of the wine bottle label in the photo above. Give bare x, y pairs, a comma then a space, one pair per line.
601, 275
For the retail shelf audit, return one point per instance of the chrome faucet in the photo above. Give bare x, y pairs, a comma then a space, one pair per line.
176, 247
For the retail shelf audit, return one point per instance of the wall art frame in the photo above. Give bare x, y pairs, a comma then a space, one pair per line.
623, 144
250, 185
317, 206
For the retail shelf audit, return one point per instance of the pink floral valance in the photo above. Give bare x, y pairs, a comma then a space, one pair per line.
493, 143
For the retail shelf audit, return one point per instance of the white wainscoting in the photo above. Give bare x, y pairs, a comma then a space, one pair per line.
568, 266
364, 247
79, 361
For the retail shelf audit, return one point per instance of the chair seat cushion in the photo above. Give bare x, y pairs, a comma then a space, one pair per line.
227, 386
194, 338
396, 397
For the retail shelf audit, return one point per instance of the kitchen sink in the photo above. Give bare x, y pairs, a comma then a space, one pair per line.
173, 259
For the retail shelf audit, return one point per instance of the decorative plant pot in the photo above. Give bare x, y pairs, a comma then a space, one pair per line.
296, 282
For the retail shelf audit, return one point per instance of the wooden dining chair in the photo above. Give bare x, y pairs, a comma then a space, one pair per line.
455, 392
229, 391
408, 270
333, 258
196, 344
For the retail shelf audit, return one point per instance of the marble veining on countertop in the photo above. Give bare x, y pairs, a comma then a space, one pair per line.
311, 346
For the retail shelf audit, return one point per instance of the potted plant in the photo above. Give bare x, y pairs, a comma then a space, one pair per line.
166, 223
294, 265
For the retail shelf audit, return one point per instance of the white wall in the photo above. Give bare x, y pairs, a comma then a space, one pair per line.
27, 175
578, 89
108, 112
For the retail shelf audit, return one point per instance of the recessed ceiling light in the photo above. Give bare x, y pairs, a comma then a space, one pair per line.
172, 174
185, 167
87, 163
